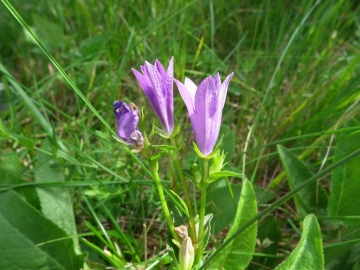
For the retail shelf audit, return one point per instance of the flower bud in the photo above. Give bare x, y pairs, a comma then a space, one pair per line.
186, 255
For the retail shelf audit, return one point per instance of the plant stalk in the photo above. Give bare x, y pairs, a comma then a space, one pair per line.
176, 160
154, 168
200, 237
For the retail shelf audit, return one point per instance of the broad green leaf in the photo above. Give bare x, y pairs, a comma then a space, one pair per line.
222, 201
56, 202
310, 199
30, 241
309, 253
345, 181
238, 253
49, 32
10, 169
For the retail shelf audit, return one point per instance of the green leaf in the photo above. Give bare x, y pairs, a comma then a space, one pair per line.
181, 203
207, 228
49, 32
56, 202
215, 176
309, 253
345, 199
30, 241
311, 198
238, 253
222, 202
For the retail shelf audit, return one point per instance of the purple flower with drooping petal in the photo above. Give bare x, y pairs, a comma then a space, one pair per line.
158, 87
127, 121
205, 104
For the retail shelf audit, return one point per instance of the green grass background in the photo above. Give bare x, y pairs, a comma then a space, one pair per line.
296, 66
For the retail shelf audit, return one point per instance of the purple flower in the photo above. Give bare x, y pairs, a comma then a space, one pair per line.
158, 87
205, 104
127, 121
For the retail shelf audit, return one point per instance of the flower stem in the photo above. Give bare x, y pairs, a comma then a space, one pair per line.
176, 160
154, 167
202, 211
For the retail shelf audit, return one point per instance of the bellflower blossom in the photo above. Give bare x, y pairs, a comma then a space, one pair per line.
158, 88
205, 104
127, 120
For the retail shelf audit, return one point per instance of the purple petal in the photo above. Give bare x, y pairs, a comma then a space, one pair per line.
169, 95
159, 92
127, 124
217, 81
147, 87
200, 120
158, 88
144, 83
187, 96
223, 90
159, 67
205, 104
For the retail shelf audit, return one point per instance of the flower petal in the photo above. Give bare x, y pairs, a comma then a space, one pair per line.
127, 124
158, 87
169, 95
223, 90
205, 104
186, 95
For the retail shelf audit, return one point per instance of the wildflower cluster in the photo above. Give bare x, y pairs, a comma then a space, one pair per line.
205, 104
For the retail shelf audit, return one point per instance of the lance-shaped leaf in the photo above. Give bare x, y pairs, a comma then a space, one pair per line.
345, 199
238, 253
309, 252
56, 202
310, 199
30, 241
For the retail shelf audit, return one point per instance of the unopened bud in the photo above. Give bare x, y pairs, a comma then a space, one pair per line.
186, 255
